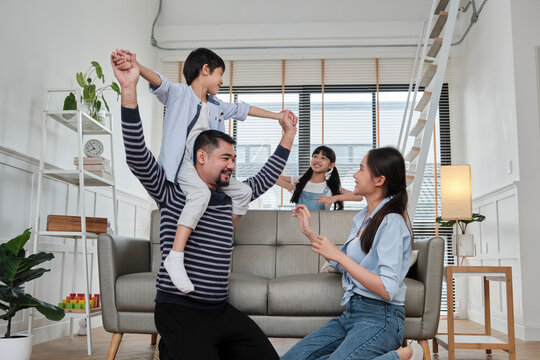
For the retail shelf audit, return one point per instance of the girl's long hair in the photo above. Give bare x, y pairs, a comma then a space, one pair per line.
387, 162
333, 182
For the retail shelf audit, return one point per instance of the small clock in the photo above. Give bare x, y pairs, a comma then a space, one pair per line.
93, 147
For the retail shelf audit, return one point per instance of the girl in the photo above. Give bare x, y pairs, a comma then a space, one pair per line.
320, 186
374, 262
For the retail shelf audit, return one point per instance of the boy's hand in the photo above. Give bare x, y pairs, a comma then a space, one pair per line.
122, 59
287, 115
127, 78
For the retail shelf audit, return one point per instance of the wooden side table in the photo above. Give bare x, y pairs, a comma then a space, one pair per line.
453, 341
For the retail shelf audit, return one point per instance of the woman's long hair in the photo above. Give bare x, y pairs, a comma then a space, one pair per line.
387, 162
333, 182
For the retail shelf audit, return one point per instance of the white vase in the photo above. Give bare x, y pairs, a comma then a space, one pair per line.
463, 245
19, 346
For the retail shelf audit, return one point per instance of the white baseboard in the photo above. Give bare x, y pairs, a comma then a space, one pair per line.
60, 329
522, 332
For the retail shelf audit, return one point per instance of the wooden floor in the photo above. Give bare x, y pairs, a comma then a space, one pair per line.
134, 347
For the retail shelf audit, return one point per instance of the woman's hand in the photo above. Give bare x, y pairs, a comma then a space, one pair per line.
303, 215
127, 78
327, 200
326, 248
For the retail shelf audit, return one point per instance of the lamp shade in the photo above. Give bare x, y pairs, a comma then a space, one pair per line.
456, 193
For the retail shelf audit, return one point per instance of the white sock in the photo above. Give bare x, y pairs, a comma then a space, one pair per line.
418, 351
174, 264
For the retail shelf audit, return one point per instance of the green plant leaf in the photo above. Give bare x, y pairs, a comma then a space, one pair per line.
29, 275
13, 266
105, 103
116, 88
98, 105
89, 80
80, 79
25, 301
99, 71
70, 103
17, 243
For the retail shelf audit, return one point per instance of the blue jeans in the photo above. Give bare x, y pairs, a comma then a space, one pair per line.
368, 329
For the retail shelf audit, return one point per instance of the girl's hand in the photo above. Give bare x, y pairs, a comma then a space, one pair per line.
291, 187
326, 200
325, 248
304, 220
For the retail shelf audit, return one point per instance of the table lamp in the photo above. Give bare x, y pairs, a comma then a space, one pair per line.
456, 204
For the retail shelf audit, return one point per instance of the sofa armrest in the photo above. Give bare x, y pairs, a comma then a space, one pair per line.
117, 256
429, 270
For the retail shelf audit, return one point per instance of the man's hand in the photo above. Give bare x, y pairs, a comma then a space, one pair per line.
122, 58
287, 115
126, 78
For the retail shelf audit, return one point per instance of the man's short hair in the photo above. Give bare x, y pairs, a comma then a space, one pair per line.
196, 60
208, 140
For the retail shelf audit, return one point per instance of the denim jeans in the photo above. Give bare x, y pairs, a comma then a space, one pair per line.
368, 329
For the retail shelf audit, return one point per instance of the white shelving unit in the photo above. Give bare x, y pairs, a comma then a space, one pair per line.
82, 125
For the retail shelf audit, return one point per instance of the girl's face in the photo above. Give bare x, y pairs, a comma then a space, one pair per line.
366, 183
320, 163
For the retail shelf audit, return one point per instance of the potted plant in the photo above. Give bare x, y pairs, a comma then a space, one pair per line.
15, 270
465, 242
92, 96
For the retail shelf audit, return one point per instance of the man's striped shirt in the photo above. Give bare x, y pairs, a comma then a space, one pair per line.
207, 255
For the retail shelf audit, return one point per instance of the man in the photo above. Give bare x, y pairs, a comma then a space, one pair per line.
200, 325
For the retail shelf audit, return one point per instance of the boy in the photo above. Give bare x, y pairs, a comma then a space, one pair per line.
191, 109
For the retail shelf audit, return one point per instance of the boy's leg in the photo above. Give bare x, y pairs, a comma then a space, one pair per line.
197, 198
240, 194
245, 340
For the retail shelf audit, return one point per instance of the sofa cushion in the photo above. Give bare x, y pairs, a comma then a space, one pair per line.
414, 298
248, 293
257, 227
136, 292
257, 260
296, 259
288, 231
305, 295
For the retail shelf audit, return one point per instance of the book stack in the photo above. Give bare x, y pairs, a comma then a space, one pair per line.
97, 165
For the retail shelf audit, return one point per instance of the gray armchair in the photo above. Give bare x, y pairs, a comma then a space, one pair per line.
127, 277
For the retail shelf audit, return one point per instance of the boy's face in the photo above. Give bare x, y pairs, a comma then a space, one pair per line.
214, 79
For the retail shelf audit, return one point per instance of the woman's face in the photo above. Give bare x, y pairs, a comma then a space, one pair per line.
365, 182
320, 163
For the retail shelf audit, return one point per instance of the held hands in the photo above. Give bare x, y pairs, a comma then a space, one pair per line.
122, 58
129, 77
287, 116
291, 186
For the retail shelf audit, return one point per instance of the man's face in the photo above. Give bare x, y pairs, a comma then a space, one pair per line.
216, 168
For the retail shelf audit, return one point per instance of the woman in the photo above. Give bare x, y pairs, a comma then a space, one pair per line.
320, 186
374, 262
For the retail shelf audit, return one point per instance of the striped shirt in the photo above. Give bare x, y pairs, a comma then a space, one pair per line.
207, 255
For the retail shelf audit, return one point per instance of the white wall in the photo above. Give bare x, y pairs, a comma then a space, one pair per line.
525, 30
497, 121
44, 43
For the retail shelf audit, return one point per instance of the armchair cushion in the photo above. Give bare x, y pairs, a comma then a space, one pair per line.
136, 292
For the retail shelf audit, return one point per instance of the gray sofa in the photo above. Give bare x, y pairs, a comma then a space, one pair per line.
275, 277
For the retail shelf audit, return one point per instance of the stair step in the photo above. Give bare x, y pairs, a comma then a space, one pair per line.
441, 6
423, 101
412, 154
439, 25
409, 179
412, 168
434, 49
417, 129
428, 75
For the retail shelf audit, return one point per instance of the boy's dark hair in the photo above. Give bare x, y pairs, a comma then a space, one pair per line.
208, 140
333, 183
389, 162
196, 60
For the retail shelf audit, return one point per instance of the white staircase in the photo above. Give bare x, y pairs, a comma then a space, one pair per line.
431, 59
